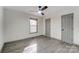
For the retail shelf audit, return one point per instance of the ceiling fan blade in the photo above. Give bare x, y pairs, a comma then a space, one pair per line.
45, 7
39, 6
42, 13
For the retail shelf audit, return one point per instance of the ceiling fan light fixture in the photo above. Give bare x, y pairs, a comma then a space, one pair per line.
39, 12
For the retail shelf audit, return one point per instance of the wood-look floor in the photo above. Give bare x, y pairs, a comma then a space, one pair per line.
40, 44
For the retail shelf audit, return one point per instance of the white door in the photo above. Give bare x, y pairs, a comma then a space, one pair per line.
47, 27
67, 28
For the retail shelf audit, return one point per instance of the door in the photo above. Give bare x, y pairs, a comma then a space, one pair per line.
67, 28
47, 27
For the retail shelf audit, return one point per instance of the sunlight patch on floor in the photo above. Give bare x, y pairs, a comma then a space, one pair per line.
31, 49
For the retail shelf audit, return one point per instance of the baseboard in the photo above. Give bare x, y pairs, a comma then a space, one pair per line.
65, 42
52, 38
22, 39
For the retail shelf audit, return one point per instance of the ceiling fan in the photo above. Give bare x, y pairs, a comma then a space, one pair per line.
41, 9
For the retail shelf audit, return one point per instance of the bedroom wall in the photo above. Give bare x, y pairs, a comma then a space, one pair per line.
56, 23
17, 25
1, 28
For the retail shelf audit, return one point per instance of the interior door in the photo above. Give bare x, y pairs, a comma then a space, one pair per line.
47, 27
67, 28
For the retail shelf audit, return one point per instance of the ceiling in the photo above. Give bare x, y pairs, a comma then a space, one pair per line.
32, 9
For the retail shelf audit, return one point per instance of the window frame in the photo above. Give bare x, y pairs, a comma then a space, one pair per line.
36, 25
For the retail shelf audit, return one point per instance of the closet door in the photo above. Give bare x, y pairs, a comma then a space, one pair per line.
67, 28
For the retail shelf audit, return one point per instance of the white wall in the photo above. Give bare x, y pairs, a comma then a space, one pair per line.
17, 25
56, 23
1, 28
56, 28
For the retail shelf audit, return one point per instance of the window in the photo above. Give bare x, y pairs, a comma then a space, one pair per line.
33, 25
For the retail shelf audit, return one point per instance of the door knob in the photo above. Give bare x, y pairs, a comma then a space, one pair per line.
62, 29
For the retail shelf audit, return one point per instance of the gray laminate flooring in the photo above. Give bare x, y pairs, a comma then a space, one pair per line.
40, 44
